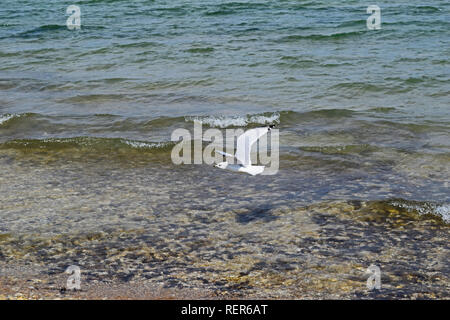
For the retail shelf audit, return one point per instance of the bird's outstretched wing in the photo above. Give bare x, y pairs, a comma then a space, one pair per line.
245, 143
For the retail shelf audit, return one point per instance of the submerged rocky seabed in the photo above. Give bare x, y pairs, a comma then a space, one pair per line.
159, 232
319, 251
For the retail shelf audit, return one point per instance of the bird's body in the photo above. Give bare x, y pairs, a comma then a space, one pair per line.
243, 150
252, 170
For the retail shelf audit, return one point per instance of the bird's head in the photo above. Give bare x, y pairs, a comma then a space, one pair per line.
221, 165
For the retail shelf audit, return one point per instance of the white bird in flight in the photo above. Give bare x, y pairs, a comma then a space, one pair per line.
243, 149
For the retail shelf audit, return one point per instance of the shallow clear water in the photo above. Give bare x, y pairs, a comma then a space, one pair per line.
86, 118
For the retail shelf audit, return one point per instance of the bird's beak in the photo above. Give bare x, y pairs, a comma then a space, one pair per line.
215, 165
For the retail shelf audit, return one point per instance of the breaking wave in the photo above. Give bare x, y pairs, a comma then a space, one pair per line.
237, 121
6, 117
425, 208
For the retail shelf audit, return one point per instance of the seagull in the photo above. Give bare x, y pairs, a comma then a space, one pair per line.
244, 146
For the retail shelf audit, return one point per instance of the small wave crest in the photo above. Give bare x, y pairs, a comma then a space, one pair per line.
237, 121
318, 37
6, 117
425, 208
146, 145
89, 143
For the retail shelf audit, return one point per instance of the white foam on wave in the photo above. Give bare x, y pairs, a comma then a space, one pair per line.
442, 210
274, 118
145, 145
6, 117
237, 121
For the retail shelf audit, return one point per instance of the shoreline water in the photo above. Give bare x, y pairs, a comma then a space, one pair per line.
86, 176
318, 252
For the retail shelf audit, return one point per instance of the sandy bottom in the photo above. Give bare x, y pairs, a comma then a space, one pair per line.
29, 287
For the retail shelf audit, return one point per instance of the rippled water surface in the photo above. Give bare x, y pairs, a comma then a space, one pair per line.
364, 124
